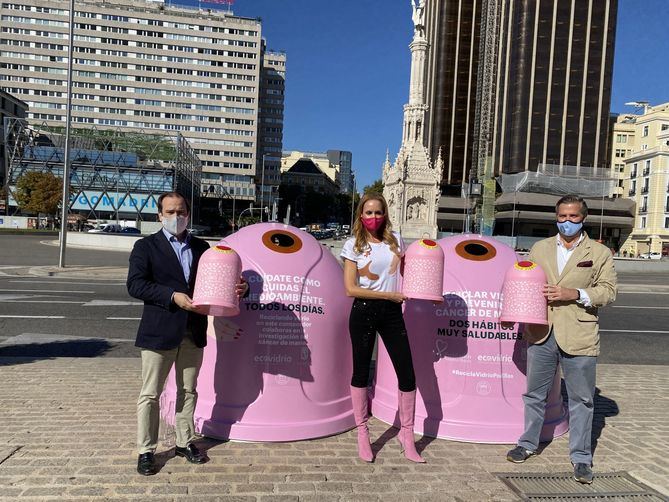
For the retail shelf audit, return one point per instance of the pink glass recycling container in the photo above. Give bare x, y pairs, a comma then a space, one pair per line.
470, 372
522, 295
215, 285
280, 371
423, 271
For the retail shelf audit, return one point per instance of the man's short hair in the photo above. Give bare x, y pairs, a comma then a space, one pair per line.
573, 199
172, 194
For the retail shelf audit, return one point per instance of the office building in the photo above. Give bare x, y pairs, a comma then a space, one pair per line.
551, 69
344, 160
153, 66
553, 83
648, 181
622, 145
270, 125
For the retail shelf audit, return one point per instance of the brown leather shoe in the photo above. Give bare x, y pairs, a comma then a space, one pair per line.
146, 464
191, 453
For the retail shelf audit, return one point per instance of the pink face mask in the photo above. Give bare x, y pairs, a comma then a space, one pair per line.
373, 224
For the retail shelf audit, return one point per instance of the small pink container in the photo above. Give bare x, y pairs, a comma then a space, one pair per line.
522, 294
423, 276
215, 285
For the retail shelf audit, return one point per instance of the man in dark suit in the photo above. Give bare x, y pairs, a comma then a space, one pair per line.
162, 273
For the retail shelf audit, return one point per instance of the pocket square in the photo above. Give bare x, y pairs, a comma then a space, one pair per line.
584, 263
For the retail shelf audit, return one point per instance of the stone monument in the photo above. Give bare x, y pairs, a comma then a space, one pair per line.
411, 183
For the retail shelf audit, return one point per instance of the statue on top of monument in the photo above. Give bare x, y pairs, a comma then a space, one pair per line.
418, 7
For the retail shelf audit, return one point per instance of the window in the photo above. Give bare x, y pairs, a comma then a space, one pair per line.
666, 222
664, 127
645, 131
621, 138
643, 222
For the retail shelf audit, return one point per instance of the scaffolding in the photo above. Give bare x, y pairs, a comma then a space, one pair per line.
586, 182
112, 172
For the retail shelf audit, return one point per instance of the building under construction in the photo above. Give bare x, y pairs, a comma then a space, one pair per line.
113, 174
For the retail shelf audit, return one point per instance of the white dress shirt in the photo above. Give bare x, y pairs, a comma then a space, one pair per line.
563, 255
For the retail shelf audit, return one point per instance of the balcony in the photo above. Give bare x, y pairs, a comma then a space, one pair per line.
646, 171
632, 193
643, 210
633, 174
644, 189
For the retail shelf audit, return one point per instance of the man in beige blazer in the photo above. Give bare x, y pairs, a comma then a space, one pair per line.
581, 278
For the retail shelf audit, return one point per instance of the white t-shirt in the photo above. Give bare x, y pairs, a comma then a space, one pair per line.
378, 266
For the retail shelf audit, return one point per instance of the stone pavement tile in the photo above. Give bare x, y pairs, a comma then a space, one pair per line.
254, 488
75, 426
301, 478
321, 497
208, 489
297, 487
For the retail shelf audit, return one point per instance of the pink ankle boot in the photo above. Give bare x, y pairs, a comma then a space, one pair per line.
407, 410
360, 399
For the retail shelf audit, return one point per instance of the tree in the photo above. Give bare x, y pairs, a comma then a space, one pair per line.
376, 187
39, 192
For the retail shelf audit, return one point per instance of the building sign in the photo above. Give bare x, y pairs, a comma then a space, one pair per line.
89, 200
125, 202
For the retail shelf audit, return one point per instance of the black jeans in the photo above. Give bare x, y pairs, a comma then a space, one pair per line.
385, 317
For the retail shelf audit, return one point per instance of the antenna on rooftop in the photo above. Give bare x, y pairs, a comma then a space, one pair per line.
639, 104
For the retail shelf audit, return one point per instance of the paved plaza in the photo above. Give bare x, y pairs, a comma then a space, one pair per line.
67, 429
67, 432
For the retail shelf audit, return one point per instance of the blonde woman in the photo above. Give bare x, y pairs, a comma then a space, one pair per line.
372, 259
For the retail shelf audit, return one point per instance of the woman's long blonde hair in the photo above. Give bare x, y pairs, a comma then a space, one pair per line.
360, 232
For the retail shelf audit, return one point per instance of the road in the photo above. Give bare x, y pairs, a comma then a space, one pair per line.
52, 316
29, 250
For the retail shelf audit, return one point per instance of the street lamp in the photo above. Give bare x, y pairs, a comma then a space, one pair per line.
352, 205
273, 202
249, 209
66, 160
234, 200
262, 186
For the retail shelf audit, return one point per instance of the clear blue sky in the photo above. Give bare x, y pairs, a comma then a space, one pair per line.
641, 68
348, 69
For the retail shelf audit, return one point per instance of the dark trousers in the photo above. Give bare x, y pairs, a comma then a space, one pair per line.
385, 317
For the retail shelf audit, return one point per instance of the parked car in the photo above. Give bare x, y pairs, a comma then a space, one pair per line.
109, 228
130, 230
655, 255
200, 230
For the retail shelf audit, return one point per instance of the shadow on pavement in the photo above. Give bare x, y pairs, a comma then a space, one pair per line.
27, 353
604, 408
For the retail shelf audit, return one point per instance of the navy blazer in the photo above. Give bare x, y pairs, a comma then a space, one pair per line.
153, 276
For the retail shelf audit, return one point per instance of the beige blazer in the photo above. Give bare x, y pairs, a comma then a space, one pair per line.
575, 327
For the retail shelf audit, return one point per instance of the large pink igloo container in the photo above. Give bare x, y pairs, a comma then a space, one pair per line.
215, 285
423, 271
280, 371
522, 295
470, 372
